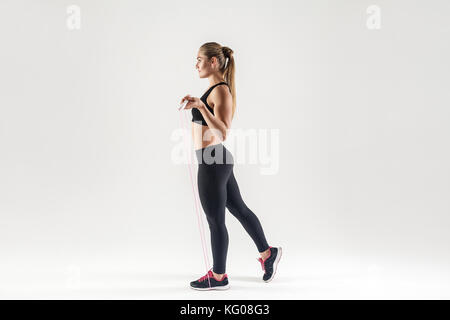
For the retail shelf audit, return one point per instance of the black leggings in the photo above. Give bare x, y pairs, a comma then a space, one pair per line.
217, 188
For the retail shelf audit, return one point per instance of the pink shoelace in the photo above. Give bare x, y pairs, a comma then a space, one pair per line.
206, 276
210, 275
262, 261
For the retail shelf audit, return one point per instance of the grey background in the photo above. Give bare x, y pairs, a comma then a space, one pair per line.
86, 116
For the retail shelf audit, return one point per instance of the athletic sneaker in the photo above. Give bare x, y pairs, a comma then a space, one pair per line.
209, 282
269, 265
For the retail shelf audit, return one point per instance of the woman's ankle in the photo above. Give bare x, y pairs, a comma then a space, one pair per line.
218, 276
265, 254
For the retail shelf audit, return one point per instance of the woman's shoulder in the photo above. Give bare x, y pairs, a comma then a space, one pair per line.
220, 93
221, 88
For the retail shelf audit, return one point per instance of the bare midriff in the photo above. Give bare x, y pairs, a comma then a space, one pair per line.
202, 136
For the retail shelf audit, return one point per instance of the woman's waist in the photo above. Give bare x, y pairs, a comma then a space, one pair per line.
203, 136
214, 154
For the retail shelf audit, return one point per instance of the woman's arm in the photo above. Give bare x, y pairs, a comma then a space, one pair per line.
220, 121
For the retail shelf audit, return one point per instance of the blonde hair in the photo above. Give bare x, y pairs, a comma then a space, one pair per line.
225, 58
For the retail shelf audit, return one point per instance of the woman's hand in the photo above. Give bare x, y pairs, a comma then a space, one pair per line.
194, 102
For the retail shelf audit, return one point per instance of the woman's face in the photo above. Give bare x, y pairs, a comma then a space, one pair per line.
203, 66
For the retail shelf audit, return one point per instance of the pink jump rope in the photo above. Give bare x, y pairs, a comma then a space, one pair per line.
194, 188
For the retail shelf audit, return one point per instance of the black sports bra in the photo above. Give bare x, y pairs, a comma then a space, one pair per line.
197, 116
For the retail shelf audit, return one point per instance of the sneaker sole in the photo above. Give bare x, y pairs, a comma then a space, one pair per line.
275, 264
212, 288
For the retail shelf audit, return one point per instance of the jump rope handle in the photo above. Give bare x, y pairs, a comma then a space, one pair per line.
183, 105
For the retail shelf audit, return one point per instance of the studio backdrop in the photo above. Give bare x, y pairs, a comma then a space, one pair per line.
341, 136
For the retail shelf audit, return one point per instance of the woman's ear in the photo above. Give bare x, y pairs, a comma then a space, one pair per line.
214, 61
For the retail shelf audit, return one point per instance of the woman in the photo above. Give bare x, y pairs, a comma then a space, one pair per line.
211, 119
